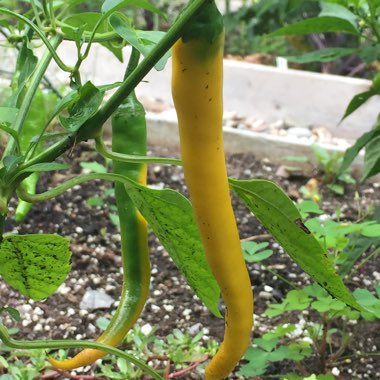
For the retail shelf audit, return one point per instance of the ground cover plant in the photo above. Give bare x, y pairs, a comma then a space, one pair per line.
201, 237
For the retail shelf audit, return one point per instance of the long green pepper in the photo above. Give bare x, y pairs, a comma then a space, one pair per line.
128, 137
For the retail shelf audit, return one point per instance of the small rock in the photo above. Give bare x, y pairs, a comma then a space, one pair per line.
299, 132
265, 295
268, 288
279, 124
282, 172
194, 329
95, 299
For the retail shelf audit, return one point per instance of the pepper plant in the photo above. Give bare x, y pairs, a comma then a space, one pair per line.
201, 236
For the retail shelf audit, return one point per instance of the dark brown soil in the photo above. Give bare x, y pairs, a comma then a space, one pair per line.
96, 264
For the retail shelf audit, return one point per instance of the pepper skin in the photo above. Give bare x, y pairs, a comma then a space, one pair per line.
197, 88
128, 137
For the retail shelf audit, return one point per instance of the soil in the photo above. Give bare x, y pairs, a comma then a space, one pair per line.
95, 246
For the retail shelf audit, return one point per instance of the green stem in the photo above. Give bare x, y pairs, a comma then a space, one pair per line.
375, 253
60, 189
92, 127
31, 91
140, 72
59, 344
291, 284
38, 31
2, 224
106, 153
36, 14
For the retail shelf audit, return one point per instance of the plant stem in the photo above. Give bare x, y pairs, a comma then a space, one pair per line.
291, 284
372, 255
93, 126
2, 224
38, 31
106, 153
60, 189
31, 91
141, 71
58, 344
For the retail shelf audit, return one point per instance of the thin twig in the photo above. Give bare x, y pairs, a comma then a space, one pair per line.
68, 375
257, 237
184, 371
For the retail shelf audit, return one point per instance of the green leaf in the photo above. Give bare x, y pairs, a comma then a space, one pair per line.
275, 310
322, 55
336, 188
280, 331
257, 362
281, 218
14, 313
357, 245
268, 344
297, 300
370, 53
309, 207
368, 300
296, 158
143, 41
328, 303
110, 6
357, 101
94, 167
372, 158
253, 252
86, 21
4, 364
360, 143
87, 103
316, 25
372, 230
171, 217
338, 10
45, 167
8, 115
35, 264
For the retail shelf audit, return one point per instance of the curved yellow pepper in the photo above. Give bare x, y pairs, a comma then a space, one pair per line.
197, 87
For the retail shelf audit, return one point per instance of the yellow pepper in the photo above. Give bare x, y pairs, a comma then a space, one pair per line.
197, 88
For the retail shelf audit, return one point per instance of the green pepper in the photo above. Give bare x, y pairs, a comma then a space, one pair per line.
128, 137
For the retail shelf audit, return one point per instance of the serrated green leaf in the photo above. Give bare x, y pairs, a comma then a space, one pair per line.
316, 25
280, 331
35, 264
170, 215
275, 310
268, 344
281, 218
